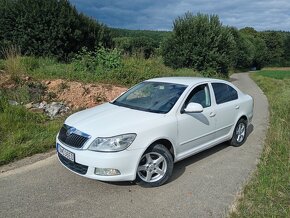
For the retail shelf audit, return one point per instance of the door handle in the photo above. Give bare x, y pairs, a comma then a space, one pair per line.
237, 106
212, 114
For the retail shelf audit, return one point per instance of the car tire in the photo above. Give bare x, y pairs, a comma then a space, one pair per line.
240, 133
155, 166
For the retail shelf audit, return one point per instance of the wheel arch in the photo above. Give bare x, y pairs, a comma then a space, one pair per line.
243, 117
167, 143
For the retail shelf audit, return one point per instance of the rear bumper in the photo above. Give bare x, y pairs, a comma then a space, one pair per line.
86, 161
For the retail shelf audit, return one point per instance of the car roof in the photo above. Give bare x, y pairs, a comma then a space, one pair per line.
188, 81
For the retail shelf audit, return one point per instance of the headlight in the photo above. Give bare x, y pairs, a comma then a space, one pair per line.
116, 143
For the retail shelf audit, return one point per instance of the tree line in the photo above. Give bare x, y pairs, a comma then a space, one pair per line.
49, 28
203, 43
55, 28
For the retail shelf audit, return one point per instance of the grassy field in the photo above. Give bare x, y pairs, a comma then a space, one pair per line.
268, 193
275, 74
24, 133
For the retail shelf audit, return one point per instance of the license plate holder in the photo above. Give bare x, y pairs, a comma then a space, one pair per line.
66, 153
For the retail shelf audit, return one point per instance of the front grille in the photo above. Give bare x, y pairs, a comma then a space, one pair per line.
73, 139
76, 167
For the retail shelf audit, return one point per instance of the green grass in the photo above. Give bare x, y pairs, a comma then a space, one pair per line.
24, 133
276, 74
268, 193
131, 71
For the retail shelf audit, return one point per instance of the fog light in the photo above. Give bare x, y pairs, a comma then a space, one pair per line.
107, 172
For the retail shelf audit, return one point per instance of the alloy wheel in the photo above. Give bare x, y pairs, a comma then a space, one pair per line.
152, 167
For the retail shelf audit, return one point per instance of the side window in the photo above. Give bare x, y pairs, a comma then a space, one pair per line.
224, 93
199, 94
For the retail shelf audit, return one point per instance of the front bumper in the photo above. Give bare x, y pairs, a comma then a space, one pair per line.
86, 161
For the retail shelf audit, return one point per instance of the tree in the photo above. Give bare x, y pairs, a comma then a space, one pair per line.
245, 50
261, 51
144, 45
249, 31
140, 45
275, 46
124, 44
49, 28
287, 50
200, 42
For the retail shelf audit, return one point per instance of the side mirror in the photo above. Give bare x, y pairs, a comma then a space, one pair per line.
193, 108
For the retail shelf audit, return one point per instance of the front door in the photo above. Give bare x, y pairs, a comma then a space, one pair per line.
196, 130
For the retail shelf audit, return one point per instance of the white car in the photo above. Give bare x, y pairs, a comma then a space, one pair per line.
142, 133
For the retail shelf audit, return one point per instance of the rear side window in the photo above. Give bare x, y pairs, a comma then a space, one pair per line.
224, 93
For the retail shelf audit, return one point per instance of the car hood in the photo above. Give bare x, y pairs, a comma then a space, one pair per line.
109, 120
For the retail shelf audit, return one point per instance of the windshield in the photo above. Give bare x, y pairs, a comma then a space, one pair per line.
157, 97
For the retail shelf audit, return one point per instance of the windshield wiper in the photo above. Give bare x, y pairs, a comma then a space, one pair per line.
137, 108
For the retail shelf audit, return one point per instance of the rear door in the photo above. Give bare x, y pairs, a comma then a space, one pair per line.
226, 108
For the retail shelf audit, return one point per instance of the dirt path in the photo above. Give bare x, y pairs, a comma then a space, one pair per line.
204, 185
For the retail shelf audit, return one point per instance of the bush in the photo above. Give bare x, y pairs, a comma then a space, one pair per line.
85, 60
109, 59
200, 42
95, 61
124, 44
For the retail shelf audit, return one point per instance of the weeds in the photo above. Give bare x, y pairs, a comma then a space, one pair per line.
13, 65
97, 61
25, 91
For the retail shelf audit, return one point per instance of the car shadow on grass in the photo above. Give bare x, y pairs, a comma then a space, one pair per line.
180, 167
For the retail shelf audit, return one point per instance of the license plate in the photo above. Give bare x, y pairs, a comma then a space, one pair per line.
66, 153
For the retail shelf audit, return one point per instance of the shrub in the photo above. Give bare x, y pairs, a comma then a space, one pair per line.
200, 42
99, 60
85, 60
109, 59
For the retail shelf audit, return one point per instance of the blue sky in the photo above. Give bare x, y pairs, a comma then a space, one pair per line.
158, 15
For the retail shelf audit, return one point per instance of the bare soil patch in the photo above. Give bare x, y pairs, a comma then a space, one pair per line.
78, 95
